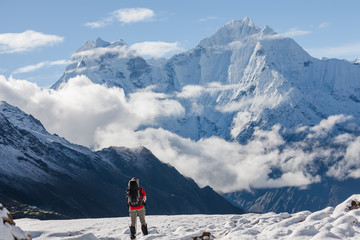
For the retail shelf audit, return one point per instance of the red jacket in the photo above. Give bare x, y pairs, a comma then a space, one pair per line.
142, 198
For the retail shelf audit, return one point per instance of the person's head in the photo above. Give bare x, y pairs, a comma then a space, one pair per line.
134, 179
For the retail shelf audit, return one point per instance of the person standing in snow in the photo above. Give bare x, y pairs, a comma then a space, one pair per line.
136, 199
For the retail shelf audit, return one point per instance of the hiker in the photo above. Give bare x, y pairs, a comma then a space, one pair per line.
136, 200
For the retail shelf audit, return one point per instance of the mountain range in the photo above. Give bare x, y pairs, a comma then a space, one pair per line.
262, 79
48, 172
295, 117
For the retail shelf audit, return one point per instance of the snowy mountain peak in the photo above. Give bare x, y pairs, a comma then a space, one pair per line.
267, 30
233, 31
248, 21
120, 42
89, 44
101, 43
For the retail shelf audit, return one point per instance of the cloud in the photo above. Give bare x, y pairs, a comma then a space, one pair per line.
327, 124
343, 138
226, 166
195, 91
212, 161
156, 49
323, 25
208, 18
350, 51
293, 32
349, 166
26, 41
70, 106
31, 68
125, 16
191, 91
132, 15
115, 119
145, 49
97, 116
99, 24
240, 122
121, 52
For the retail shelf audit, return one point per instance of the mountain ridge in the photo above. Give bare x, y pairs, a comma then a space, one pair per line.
47, 171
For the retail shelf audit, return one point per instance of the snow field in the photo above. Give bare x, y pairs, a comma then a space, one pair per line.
329, 223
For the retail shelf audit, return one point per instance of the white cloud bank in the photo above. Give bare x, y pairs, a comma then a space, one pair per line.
94, 115
156, 49
26, 41
326, 125
131, 15
79, 108
350, 167
293, 32
145, 49
125, 16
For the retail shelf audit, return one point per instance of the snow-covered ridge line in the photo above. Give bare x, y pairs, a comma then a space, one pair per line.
27, 122
17, 117
326, 224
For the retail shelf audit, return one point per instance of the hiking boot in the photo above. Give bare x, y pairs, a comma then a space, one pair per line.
144, 229
132, 232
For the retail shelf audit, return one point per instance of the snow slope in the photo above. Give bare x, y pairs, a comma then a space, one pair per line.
326, 224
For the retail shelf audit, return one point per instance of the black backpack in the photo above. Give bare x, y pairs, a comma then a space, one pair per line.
134, 194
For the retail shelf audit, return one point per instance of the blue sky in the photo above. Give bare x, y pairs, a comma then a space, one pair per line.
38, 38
